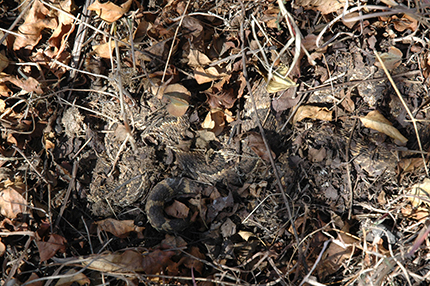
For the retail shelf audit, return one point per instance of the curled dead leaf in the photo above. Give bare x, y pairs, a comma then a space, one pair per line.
324, 6
256, 143
129, 261
391, 59
277, 81
420, 193
11, 203
47, 249
376, 121
214, 121
313, 112
36, 21
105, 50
109, 11
119, 228
177, 98
72, 276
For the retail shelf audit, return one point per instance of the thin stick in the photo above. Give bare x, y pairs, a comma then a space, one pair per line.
414, 122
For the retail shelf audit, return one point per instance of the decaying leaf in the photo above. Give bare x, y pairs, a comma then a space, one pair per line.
105, 50
376, 121
177, 98
109, 11
72, 276
4, 61
36, 21
129, 261
32, 277
194, 260
11, 203
155, 261
312, 112
2, 248
411, 164
391, 59
119, 228
406, 22
278, 81
30, 84
421, 193
47, 249
202, 74
214, 121
324, 6
256, 143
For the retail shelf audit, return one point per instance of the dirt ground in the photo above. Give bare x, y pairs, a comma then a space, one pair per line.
214, 142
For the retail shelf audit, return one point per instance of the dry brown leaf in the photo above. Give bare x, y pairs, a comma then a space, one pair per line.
155, 261
105, 50
29, 85
119, 228
11, 203
72, 276
192, 262
36, 21
421, 193
65, 27
406, 22
177, 97
177, 210
339, 250
411, 164
109, 11
32, 277
47, 249
214, 121
198, 61
278, 82
4, 61
5, 91
391, 59
256, 143
325, 6
378, 122
129, 261
2, 248
246, 235
313, 112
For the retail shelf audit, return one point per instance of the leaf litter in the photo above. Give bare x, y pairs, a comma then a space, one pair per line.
359, 201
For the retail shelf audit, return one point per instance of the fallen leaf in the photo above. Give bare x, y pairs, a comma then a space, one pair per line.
177, 97
36, 21
47, 249
391, 59
278, 81
105, 50
317, 155
2, 248
177, 210
129, 261
324, 6
119, 228
4, 61
378, 122
406, 22
109, 11
411, 164
256, 143
32, 277
421, 193
194, 260
312, 112
156, 260
228, 228
11, 203
246, 235
214, 121
5, 91
29, 85
72, 276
